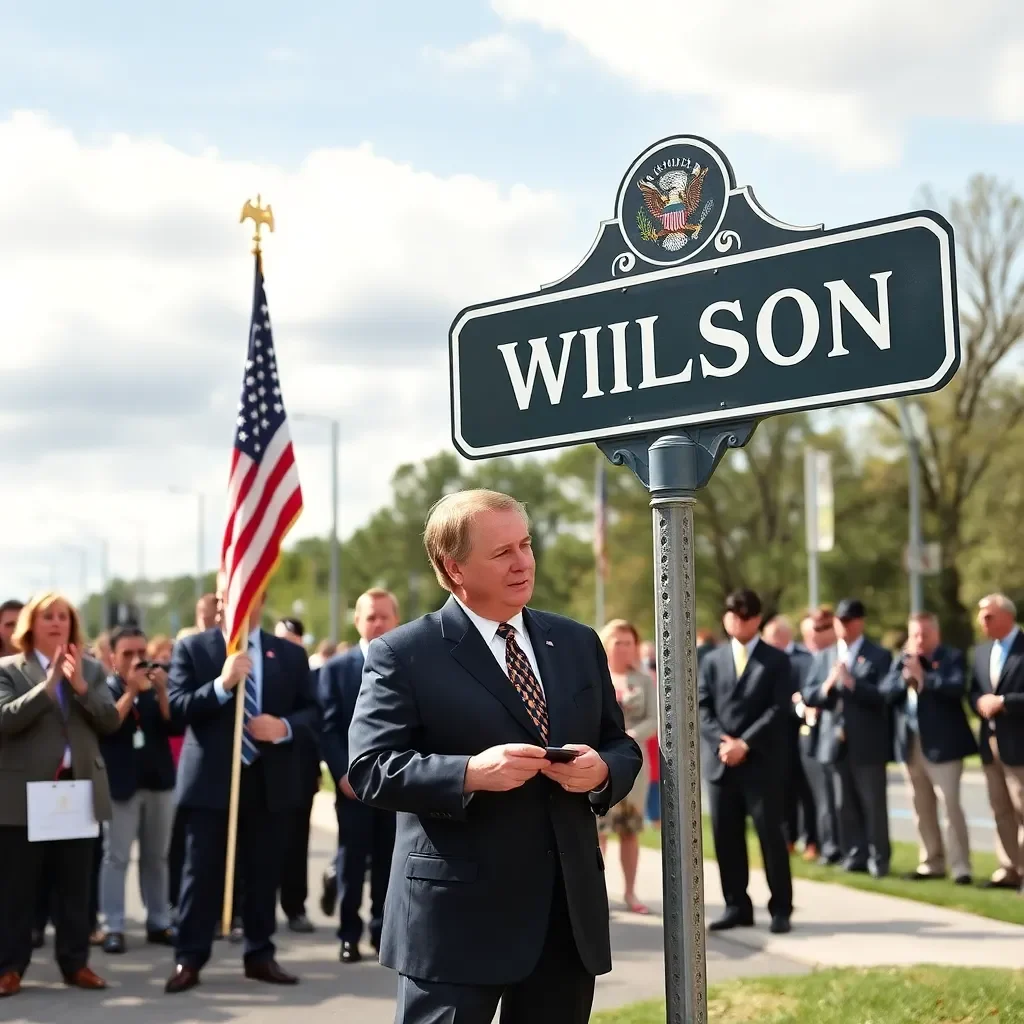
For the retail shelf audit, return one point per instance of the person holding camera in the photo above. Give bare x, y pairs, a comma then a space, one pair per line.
927, 686
141, 772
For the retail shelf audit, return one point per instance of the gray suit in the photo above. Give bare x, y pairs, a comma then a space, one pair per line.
32, 738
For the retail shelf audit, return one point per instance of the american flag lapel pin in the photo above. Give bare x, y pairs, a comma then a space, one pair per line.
271, 654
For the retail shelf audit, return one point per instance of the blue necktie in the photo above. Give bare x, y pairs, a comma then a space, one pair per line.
249, 749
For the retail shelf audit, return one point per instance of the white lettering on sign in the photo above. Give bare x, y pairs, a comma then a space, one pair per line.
724, 336
843, 298
723, 339
647, 359
811, 325
539, 358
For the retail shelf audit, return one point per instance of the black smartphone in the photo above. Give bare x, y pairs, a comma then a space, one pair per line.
560, 755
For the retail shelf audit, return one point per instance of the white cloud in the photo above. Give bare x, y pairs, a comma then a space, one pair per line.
501, 55
842, 78
126, 286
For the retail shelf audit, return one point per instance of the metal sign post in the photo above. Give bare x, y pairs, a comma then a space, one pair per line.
694, 315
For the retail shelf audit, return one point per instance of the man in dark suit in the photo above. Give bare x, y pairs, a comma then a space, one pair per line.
295, 863
272, 676
926, 687
800, 818
364, 833
497, 886
743, 693
855, 737
997, 695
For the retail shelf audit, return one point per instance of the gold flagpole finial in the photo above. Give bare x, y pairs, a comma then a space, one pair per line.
259, 215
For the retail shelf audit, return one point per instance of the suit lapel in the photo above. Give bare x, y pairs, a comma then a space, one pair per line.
32, 670
473, 654
728, 679
556, 670
1013, 659
752, 670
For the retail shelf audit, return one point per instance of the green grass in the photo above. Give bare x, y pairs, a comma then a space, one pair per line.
998, 904
883, 995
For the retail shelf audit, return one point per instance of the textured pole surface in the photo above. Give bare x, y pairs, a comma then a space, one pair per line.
681, 833
915, 552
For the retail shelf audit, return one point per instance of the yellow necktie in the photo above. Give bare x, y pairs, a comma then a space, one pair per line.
739, 653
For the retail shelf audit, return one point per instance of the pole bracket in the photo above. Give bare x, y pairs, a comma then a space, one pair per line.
677, 465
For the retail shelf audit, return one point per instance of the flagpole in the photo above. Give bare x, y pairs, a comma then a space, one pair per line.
259, 216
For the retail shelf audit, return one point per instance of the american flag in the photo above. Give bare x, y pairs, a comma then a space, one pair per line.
264, 496
601, 518
673, 220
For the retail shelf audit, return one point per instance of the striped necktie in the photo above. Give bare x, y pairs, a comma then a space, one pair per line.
249, 749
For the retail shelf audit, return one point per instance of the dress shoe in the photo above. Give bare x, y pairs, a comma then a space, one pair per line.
732, 919
877, 871
329, 893
270, 972
10, 984
1001, 883
921, 876
827, 862
855, 869
780, 925
38, 938
85, 977
301, 924
350, 953
181, 980
113, 943
963, 880
160, 936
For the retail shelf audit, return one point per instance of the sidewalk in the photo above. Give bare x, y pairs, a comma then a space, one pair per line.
834, 926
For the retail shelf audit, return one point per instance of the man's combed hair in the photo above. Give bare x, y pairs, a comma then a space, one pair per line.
446, 535
744, 603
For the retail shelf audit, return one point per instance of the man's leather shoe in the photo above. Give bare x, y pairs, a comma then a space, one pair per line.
780, 925
921, 876
85, 977
877, 871
732, 919
161, 937
181, 980
113, 943
301, 924
350, 953
1001, 883
10, 984
329, 893
270, 972
963, 880
827, 862
855, 869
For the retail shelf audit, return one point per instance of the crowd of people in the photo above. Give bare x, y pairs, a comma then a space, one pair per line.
798, 736
795, 735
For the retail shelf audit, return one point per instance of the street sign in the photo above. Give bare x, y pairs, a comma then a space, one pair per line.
734, 330
694, 315
930, 561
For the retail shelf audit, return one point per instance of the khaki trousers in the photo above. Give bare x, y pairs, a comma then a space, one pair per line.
1006, 797
926, 779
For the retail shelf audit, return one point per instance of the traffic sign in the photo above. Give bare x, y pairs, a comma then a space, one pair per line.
711, 312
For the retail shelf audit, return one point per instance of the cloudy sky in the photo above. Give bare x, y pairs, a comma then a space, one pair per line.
419, 157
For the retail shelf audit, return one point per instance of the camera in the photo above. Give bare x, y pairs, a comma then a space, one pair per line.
150, 665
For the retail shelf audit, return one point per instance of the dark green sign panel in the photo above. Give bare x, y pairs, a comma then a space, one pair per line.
695, 308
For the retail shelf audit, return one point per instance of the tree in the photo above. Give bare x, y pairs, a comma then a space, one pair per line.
972, 421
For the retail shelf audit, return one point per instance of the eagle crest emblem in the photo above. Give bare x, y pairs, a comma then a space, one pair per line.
673, 205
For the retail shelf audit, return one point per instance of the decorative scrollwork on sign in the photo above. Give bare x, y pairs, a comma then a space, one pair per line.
623, 263
724, 241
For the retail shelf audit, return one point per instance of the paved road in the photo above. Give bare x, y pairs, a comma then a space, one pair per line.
330, 991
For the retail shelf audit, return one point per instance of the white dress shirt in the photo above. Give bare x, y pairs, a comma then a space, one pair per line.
364, 646
848, 654
488, 629
45, 662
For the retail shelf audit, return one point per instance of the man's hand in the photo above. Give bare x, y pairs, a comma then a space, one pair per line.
504, 767
158, 677
267, 728
912, 672
797, 697
989, 705
846, 679
832, 678
236, 668
810, 715
732, 752
345, 786
136, 679
581, 775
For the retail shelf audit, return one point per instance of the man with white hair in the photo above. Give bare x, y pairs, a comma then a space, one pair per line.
494, 732
997, 695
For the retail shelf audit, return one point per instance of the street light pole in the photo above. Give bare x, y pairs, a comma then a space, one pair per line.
200, 543
914, 546
334, 585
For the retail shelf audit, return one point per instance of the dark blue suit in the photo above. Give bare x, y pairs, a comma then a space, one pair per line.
270, 789
501, 895
364, 832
